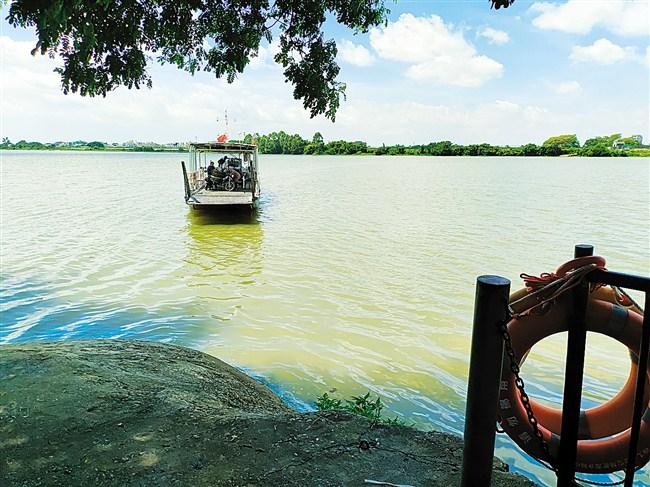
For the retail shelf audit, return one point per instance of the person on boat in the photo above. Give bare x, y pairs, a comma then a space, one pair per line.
213, 174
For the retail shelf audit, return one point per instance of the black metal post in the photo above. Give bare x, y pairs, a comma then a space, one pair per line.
490, 309
186, 182
639, 404
574, 370
583, 250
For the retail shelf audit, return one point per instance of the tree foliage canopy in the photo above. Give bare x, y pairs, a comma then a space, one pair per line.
283, 143
604, 140
629, 142
104, 44
107, 43
566, 141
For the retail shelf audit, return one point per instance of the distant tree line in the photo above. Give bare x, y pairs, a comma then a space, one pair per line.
83, 145
283, 143
77, 144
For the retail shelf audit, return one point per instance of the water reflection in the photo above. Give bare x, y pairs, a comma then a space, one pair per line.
226, 240
296, 326
222, 267
230, 215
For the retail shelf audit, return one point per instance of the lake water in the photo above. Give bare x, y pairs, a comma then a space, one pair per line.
357, 273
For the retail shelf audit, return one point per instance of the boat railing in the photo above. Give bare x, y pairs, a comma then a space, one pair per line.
485, 376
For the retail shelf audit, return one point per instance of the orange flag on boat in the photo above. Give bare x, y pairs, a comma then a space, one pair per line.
222, 138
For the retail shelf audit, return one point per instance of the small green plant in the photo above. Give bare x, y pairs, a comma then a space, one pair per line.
326, 403
360, 405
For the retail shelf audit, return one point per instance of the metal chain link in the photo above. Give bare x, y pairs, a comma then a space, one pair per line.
519, 383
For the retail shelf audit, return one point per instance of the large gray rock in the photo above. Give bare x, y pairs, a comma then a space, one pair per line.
133, 413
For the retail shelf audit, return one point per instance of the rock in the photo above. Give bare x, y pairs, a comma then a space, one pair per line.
240, 433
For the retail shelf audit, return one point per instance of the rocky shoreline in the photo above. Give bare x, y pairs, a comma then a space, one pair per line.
134, 413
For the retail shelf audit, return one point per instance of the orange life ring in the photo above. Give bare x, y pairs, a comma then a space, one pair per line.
579, 262
613, 416
604, 430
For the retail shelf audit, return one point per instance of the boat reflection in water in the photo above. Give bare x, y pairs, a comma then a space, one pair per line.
222, 267
200, 218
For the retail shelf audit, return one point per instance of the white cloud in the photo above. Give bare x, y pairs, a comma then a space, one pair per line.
494, 36
603, 51
436, 51
566, 87
498, 122
355, 54
415, 122
266, 56
624, 17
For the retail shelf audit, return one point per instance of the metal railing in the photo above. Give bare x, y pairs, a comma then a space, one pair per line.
485, 375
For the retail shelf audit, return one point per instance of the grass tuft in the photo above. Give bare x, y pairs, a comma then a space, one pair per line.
360, 405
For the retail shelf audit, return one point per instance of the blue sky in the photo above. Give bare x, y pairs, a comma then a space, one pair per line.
440, 70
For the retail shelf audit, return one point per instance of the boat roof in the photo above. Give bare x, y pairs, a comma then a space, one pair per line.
222, 146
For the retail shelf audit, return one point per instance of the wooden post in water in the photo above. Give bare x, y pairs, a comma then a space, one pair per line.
490, 310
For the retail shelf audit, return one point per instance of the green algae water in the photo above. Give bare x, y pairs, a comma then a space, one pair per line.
356, 274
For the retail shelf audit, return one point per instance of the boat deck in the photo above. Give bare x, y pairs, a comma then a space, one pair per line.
205, 197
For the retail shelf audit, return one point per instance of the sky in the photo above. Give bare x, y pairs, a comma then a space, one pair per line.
439, 70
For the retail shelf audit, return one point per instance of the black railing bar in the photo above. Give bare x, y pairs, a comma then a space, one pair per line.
620, 279
574, 371
639, 403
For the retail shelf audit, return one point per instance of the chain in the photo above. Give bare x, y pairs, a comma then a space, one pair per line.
519, 383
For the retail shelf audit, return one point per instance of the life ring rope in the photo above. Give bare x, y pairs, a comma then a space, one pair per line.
554, 288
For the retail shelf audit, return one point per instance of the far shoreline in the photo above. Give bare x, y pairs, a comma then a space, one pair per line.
635, 153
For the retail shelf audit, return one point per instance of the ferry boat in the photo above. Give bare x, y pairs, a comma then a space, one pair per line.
221, 174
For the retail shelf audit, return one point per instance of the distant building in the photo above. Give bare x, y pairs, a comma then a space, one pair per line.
628, 142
